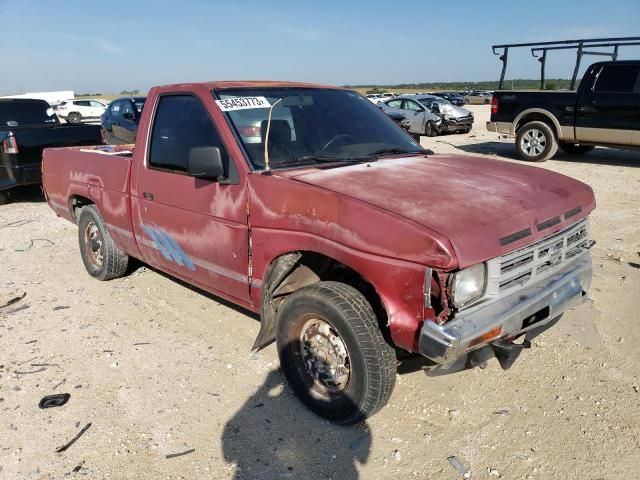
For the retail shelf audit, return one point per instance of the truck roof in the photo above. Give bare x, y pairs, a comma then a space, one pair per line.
219, 85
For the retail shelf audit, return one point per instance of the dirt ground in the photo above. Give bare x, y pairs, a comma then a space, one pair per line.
158, 368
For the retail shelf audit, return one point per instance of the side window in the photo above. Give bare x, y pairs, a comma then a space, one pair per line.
395, 103
182, 123
617, 79
412, 106
115, 108
127, 108
81, 103
93, 103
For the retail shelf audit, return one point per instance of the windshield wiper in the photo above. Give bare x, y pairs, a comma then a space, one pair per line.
395, 150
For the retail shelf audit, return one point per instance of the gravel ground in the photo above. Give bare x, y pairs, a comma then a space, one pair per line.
158, 368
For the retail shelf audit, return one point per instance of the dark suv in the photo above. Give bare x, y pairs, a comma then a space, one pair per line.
120, 120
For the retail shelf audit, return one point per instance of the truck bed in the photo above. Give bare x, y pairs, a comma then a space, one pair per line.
68, 183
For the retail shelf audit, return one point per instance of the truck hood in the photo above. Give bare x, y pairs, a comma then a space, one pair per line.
484, 207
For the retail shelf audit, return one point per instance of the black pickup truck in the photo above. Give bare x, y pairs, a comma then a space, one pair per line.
27, 127
604, 110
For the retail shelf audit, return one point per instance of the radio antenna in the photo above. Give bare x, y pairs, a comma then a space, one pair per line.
267, 168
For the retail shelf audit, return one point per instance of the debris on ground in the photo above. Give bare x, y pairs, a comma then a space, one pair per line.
74, 439
55, 400
180, 454
501, 412
457, 464
14, 300
33, 242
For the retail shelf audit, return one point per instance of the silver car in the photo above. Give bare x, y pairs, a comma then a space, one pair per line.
429, 115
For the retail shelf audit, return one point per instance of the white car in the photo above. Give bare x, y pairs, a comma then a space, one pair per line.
379, 97
75, 111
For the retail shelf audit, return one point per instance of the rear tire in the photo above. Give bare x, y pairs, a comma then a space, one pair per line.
4, 198
100, 255
536, 142
333, 353
573, 149
74, 118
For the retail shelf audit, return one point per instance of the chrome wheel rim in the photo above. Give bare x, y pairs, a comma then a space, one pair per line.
533, 142
93, 244
324, 355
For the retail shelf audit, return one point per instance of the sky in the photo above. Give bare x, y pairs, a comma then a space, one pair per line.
114, 45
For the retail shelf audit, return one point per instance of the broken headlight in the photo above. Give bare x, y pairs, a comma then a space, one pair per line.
467, 285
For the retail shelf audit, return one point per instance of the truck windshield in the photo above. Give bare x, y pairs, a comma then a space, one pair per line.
310, 125
16, 113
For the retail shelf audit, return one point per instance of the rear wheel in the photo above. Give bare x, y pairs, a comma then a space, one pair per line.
574, 149
74, 118
536, 142
430, 129
333, 353
100, 255
4, 198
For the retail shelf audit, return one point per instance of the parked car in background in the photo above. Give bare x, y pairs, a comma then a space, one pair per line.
453, 98
430, 115
478, 98
419, 120
605, 110
120, 120
76, 111
463, 267
26, 127
375, 98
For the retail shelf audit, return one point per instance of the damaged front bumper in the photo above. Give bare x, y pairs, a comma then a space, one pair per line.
479, 333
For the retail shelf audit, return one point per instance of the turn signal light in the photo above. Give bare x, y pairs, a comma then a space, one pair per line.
490, 335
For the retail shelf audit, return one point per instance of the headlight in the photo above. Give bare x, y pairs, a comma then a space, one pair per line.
467, 285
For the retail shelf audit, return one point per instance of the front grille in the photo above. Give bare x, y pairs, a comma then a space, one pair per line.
532, 263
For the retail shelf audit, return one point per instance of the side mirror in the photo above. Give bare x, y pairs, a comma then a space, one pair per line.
205, 162
128, 116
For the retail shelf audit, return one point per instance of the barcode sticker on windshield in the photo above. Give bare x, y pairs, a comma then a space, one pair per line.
242, 103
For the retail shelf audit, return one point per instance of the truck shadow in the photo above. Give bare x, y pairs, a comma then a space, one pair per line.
136, 264
600, 155
274, 436
25, 194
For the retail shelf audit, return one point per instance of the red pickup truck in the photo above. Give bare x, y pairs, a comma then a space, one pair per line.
305, 203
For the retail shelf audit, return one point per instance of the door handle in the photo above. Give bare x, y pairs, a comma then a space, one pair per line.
148, 195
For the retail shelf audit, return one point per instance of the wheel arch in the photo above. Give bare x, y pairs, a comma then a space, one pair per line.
540, 115
76, 203
294, 270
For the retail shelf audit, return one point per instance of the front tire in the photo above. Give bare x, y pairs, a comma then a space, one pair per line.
430, 129
536, 142
573, 149
74, 118
101, 256
333, 353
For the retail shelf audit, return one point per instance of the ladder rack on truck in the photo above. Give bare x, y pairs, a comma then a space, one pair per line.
578, 45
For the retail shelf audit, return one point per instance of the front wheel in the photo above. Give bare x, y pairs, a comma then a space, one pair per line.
573, 149
74, 118
536, 142
430, 129
333, 353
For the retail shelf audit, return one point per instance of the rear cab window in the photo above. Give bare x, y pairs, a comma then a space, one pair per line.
622, 78
182, 123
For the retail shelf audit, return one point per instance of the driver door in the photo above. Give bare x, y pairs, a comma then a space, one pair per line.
415, 113
195, 228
